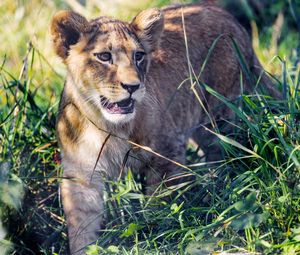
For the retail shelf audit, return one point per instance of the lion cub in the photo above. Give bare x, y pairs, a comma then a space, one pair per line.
127, 85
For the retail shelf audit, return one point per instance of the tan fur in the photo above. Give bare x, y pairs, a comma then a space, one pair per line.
164, 117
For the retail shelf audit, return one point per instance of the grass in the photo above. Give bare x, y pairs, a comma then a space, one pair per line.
250, 201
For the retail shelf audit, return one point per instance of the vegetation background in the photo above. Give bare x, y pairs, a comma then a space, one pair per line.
250, 202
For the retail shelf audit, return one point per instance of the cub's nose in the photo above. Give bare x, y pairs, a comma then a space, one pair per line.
131, 88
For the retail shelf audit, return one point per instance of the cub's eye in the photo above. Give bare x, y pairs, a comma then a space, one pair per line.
139, 56
104, 56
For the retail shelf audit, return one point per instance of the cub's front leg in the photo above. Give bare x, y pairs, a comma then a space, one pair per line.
83, 207
82, 185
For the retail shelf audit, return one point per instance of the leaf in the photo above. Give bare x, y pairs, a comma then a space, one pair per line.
249, 102
249, 220
131, 230
175, 208
113, 249
233, 143
247, 204
283, 199
265, 243
296, 230
92, 250
204, 247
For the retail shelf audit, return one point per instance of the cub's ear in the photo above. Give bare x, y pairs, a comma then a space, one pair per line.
66, 29
148, 26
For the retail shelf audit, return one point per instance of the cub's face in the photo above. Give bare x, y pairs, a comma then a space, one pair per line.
108, 59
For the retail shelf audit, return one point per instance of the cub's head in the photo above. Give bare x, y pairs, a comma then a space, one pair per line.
108, 59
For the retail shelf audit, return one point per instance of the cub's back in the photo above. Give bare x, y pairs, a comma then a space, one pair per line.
203, 24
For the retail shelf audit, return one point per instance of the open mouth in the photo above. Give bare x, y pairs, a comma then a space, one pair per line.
122, 107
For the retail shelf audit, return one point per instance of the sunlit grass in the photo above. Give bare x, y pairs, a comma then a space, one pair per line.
267, 52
